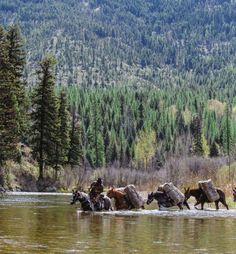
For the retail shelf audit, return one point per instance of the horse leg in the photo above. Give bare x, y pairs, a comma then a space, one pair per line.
223, 201
180, 206
217, 204
197, 203
202, 205
186, 204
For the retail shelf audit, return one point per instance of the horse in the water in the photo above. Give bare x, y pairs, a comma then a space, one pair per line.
84, 200
121, 200
234, 194
163, 200
87, 205
201, 197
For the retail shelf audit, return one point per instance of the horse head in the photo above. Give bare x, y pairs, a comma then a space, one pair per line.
110, 192
76, 195
150, 198
187, 193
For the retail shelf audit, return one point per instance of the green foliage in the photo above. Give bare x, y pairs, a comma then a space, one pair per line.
45, 116
198, 138
134, 42
145, 147
16, 55
227, 130
110, 125
63, 132
75, 154
9, 110
95, 148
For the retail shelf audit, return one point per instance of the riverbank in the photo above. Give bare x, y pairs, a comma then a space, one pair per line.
183, 172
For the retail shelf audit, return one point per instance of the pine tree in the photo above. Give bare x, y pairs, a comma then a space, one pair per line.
17, 55
63, 132
75, 154
45, 116
96, 148
9, 111
214, 150
141, 116
196, 130
227, 134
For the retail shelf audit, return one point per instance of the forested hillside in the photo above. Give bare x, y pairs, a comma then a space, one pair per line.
154, 42
126, 84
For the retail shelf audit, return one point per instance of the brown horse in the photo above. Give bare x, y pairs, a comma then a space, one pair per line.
121, 201
201, 197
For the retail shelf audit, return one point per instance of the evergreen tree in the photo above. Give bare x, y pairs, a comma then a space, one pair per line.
63, 132
9, 111
196, 130
96, 149
45, 116
17, 55
214, 150
227, 129
75, 150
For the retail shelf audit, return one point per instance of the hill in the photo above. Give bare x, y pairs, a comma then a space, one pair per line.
106, 42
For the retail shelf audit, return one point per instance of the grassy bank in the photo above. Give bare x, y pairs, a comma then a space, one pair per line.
183, 172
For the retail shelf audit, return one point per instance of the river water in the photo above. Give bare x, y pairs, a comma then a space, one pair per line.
48, 224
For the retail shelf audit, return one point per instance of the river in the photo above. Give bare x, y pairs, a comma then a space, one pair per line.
32, 223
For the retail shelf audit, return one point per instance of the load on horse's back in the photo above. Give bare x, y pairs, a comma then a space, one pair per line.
167, 195
206, 193
126, 198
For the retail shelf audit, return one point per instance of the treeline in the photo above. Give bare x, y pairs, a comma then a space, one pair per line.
142, 128
97, 127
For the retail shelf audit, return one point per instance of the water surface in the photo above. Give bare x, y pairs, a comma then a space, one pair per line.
48, 224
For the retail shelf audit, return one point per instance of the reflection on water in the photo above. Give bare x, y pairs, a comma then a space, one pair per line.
48, 224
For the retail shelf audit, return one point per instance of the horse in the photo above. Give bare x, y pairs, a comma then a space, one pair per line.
121, 201
83, 198
201, 197
164, 201
234, 194
2, 191
104, 202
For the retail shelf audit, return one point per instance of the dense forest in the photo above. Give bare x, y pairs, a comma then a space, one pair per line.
122, 84
98, 127
106, 42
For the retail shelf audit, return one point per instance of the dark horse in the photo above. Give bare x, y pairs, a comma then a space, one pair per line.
87, 205
163, 200
234, 194
201, 197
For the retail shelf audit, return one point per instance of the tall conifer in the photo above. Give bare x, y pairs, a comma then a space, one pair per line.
17, 56
45, 116
75, 150
9, 112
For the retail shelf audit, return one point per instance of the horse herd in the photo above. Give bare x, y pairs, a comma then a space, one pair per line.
123, 203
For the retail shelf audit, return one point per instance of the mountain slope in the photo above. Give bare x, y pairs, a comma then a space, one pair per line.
104, 42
